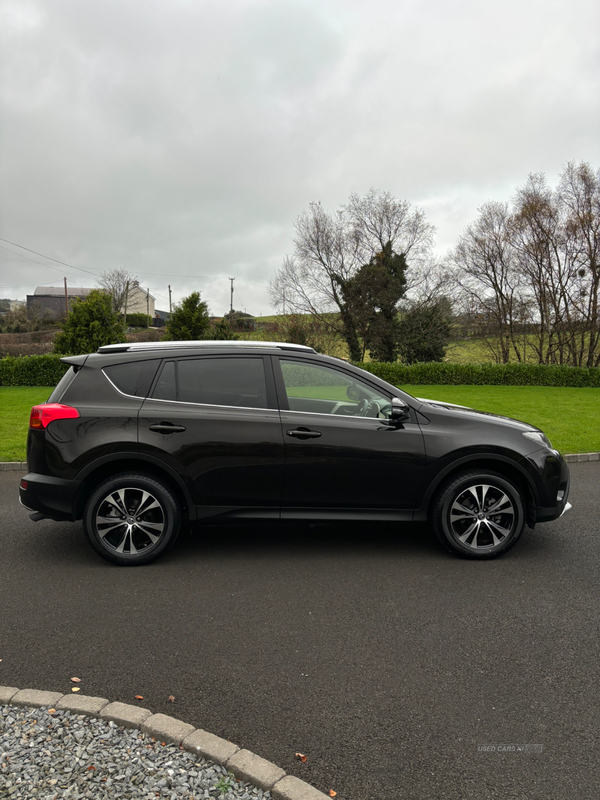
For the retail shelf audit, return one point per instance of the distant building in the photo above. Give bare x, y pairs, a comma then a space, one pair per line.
51, 299
139, 301
160, 318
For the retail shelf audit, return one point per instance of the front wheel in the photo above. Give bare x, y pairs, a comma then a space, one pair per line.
478, 515
131, 519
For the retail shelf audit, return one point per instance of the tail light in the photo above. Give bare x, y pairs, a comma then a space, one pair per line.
42, 416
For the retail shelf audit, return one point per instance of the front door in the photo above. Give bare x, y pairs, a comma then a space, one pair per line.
340, 453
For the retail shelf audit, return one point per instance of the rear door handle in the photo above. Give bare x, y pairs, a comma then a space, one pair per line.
304, 433
166, 427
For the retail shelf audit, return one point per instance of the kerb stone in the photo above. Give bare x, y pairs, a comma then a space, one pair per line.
291, 788
254, 769
126, 715
205, 744
82, 704
167, 729
35, 698
7, 693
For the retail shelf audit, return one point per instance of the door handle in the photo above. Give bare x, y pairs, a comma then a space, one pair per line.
304, 433
166, 427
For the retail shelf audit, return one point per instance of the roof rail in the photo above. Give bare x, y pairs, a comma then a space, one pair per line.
139, 346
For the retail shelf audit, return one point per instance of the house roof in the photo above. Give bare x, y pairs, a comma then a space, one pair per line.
53, 291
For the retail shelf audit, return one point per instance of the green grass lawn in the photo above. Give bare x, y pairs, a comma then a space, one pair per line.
15, 405
570, 417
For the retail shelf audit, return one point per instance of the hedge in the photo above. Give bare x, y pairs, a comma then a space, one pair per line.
138, 320
44, 370
443, 373
47, 370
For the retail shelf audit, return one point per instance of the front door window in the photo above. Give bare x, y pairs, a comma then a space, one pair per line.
323, 390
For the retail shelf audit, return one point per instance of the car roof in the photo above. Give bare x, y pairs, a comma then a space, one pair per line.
136, 347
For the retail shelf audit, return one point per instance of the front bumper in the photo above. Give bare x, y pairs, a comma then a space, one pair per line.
554, 484
52, 497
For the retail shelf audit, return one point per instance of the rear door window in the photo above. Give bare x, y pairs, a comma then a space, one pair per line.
214, 381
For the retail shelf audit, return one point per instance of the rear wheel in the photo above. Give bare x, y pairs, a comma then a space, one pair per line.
478, 515
131, 519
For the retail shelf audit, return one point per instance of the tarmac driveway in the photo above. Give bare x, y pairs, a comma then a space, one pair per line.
386, 662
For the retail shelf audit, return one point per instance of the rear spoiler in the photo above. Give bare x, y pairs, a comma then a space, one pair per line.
75, 361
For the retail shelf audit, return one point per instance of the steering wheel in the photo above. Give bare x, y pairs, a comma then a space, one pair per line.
373, 409
361, 408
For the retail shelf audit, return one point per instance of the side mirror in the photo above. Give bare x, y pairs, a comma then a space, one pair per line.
400, 411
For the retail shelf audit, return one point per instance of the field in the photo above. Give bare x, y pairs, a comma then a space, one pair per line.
568, 416
16, 402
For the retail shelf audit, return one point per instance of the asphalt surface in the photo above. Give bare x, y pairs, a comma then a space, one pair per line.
366, 648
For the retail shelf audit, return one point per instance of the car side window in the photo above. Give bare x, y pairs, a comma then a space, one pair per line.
325, 390
214, 381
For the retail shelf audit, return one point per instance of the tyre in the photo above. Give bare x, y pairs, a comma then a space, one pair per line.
131, 519
478, 515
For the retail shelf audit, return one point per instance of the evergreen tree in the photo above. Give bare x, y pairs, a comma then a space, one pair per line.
424, 332
91, 323
189, 320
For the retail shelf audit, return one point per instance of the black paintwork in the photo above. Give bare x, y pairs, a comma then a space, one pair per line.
226, 461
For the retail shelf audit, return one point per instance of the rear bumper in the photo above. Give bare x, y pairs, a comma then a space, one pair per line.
52, 497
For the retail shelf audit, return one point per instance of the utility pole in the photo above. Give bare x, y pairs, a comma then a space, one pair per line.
125, 306
170, 299
66, 299
231, 304
148, 304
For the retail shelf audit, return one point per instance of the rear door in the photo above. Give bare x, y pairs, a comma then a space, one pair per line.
214, 420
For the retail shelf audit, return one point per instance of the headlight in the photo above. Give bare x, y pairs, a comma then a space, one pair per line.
539, 437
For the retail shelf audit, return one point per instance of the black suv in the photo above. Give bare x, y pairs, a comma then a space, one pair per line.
138, 440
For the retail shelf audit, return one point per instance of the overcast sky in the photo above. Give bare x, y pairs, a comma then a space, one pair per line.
180, 139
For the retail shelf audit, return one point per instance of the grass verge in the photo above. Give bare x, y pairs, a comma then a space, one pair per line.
568, 416
15, 405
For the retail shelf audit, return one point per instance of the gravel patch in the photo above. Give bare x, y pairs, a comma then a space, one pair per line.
66, 756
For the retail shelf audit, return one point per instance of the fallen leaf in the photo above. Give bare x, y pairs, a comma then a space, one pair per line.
89, 768
300, 756
76, 680
139, 697
331, 793
171, 699
75, 689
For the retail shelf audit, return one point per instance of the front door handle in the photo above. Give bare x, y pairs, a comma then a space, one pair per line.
304, 433
166, 427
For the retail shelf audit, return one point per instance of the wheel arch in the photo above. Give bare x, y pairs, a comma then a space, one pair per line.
104, 468
506, 467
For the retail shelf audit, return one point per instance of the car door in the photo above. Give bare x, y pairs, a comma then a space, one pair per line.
341, 452
214, 420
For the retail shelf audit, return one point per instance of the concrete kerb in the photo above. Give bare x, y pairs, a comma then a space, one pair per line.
571, 457
244, 764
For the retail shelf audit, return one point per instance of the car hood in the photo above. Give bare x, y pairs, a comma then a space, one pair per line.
466, 411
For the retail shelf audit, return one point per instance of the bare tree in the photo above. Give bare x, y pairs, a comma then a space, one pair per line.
579, 195
117, 282
330, 248
535, 266
486, 277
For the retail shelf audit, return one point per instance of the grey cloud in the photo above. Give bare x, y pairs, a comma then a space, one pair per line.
183, 138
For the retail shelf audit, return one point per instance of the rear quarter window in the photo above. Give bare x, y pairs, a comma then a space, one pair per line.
133, 377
